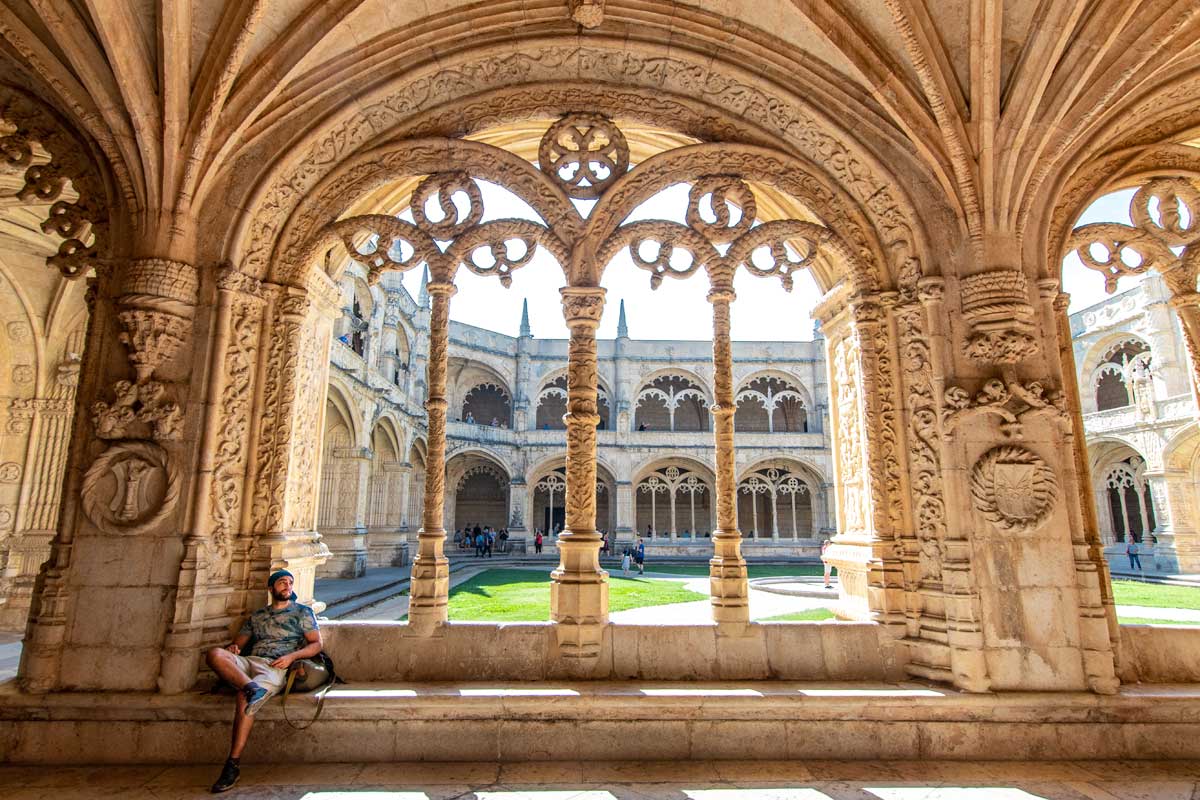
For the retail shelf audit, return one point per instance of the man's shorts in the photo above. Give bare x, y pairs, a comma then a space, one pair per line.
261, 672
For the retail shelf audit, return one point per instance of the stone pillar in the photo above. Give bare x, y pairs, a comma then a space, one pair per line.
729, 586
285, 464
624, 499
216, 549
387, 545
579, 588
117, 553
1178, 547
347, 538
430, 592
518, 506
870, 508
406, 480
41, 479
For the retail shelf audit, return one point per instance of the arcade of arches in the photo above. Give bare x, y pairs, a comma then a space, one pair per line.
207, 204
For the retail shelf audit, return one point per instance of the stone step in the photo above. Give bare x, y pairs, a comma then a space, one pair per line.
565, 720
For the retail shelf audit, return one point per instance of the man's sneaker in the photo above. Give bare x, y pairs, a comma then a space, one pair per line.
255, 697
229, 776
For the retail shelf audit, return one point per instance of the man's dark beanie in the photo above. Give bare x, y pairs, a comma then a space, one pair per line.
276, 575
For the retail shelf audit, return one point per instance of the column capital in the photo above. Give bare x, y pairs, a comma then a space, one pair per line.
441, 288
582, 306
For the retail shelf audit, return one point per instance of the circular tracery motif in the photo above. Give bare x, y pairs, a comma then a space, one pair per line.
444, 186
720, 191
1014, 489
585, 154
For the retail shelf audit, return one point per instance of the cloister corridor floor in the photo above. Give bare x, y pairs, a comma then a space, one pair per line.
569, 780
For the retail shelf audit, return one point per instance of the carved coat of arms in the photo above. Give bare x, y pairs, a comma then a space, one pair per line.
1014, 489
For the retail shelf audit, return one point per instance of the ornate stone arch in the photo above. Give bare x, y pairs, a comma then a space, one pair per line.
341, 397
778, 116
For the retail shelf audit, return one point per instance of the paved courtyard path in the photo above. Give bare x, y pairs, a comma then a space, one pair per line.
631, 780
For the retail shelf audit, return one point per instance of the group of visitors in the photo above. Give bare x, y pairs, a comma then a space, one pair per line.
495, 423
484, 539
634, 555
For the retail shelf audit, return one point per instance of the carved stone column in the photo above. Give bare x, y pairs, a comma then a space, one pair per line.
347, 538
1177, 548
430, 592
285, 464
124, 492
625, 513
579, 588
216, 548
727, 578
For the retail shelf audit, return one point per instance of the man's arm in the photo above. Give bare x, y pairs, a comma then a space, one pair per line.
314, 646
238, 643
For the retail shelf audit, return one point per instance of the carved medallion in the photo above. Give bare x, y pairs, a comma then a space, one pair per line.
10, 472
19, 331
130, 488
1013, 489
22, 374
7, 517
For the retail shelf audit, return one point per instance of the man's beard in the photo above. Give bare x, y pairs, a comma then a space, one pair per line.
281, 595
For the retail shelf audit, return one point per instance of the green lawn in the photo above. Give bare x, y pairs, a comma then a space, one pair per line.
755, 571
1145, 621
520, 595
810, 615
1136, 593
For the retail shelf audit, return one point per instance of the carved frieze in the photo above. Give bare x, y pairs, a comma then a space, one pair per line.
130, 488
10, 472
1013, 489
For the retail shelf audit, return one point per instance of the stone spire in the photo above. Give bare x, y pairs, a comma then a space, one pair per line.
622, 326
423, 291
525, 329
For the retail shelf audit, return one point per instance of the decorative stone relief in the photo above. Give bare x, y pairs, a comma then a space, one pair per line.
1013, 489
588, 13
10, 472
245, 316
1014, 402
130, 488
19, 331
996, 306
138, 411
82, 224
929, 507
8, 518
22, 374
20, 414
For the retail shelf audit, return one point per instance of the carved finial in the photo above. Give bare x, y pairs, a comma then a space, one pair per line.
423, 291
588, 13
525, 329
622, 326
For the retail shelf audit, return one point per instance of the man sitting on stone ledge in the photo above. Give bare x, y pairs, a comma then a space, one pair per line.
282, 633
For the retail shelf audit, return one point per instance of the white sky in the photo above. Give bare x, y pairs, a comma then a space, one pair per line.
678, 309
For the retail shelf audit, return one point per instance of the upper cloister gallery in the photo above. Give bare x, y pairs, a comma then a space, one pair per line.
188, 184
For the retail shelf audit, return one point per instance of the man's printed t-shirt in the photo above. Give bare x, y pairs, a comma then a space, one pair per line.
278, 633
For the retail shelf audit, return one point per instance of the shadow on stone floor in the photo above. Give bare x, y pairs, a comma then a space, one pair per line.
626, 781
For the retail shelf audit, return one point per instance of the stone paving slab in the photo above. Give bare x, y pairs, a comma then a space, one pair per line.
629, 780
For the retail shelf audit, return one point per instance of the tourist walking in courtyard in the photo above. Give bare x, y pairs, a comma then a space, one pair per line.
537, 541
625, 563
478, 543
639, 555
1132, 550
283, 632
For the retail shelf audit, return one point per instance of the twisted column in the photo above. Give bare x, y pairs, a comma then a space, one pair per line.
430, 586
728, 584
579, 588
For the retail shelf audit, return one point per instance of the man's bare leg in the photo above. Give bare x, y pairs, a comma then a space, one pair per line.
224, 663
242, 722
